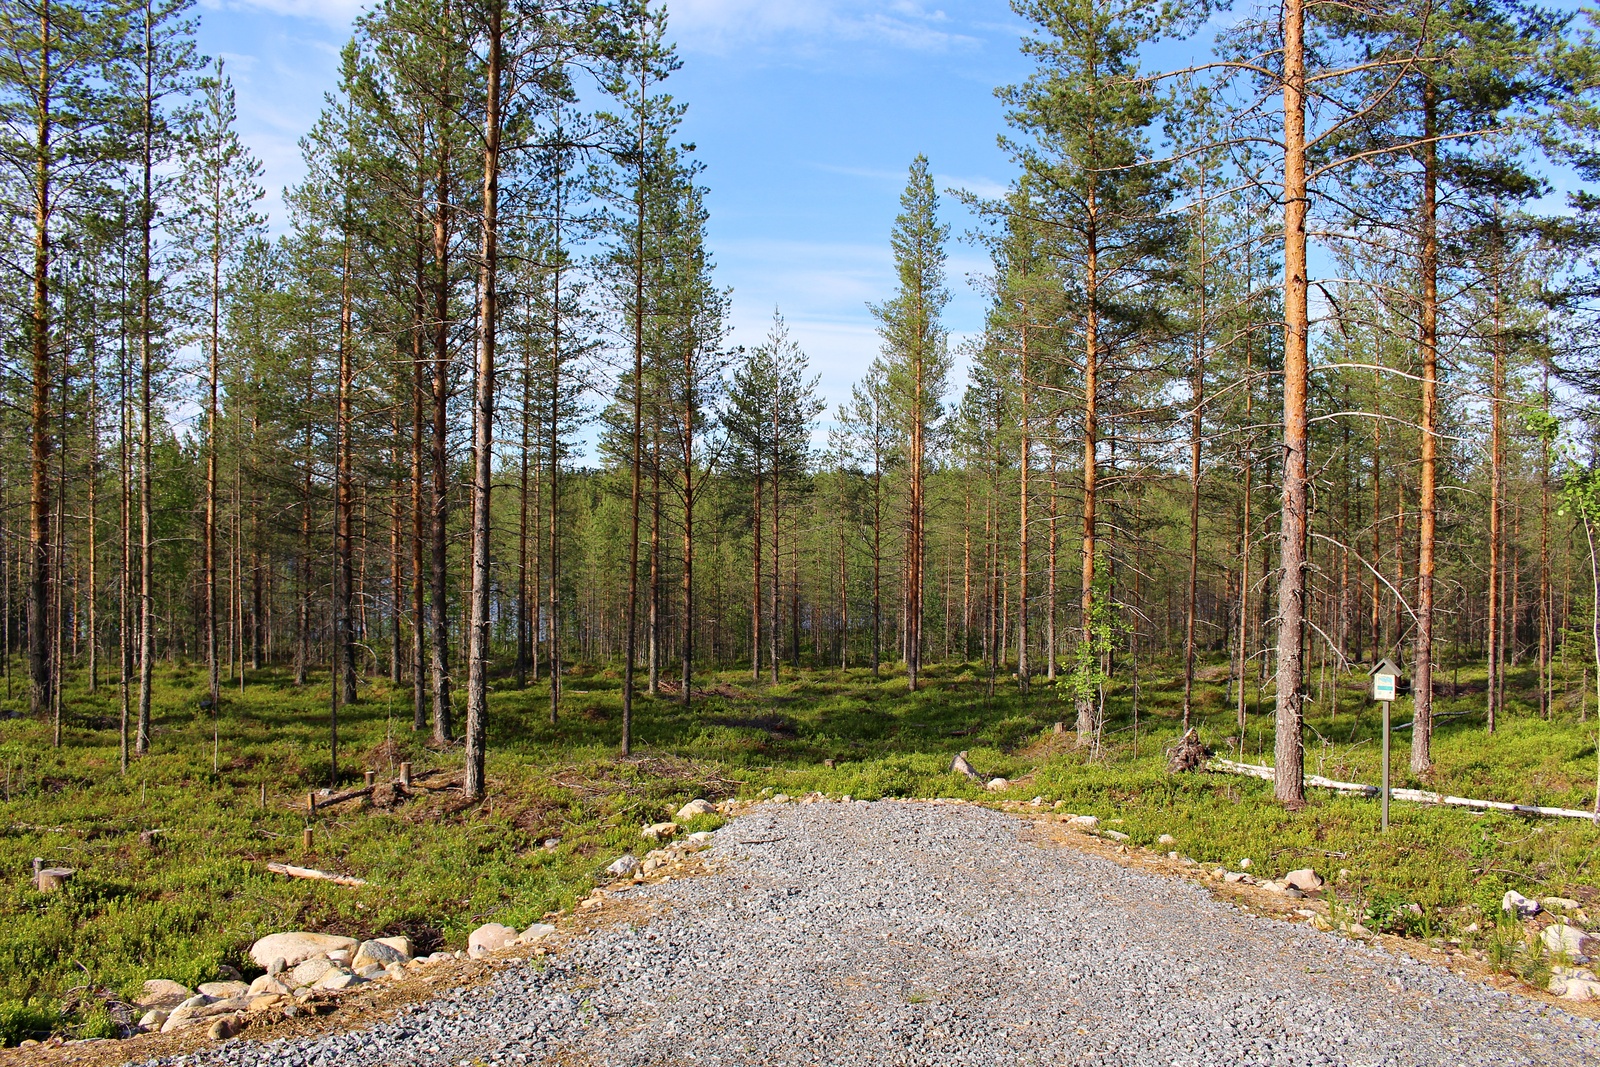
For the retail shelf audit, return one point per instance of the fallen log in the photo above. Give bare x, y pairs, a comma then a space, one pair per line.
314, 875
1415, 796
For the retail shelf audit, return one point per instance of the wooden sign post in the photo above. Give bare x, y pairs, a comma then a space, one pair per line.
1385, 680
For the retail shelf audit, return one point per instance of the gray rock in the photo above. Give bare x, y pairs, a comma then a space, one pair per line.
622, 866
376, 952
1514, 903
308, 971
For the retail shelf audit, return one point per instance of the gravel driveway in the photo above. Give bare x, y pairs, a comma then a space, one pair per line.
906, 933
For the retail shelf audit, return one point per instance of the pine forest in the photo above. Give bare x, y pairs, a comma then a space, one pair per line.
1288, 372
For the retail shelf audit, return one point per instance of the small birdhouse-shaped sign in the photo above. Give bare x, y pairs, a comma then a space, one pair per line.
1385, 678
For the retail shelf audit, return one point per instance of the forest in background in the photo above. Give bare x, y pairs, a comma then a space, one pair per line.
1288, 366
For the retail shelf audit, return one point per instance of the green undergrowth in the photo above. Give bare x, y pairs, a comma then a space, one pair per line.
184, 902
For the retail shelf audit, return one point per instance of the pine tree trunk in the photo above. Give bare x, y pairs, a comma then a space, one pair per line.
39, 657
1025, 461
1289, 784
1084, 701
474, 783
1422, 680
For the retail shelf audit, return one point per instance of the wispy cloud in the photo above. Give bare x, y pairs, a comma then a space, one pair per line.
812, 26
331, 12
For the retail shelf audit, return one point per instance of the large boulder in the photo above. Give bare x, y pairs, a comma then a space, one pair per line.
297, 947
160, 994
490, 937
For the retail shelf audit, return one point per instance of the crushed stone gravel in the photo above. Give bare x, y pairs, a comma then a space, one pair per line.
904, 933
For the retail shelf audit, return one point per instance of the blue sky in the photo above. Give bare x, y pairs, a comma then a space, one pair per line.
807, 113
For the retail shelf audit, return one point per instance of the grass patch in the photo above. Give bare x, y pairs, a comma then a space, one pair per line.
562, 807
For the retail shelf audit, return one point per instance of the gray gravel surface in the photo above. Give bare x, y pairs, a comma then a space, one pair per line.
905, 933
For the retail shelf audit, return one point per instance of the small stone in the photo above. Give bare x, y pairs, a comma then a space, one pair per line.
1305, 879
1237, 878
1087, 822
1320, 922
1172, 855
297, 947
337, 980
705, 838
490, 937
371, 971
1559, 904
1115, 835
277, 966
162, 994
1166, 839
997, 785
659, 831
1244, 864
1344, 875
394, 972
536, 932
341, 956
1514, 903
152, 1019
199, 1000
622, 867
694, 809
268, 1002
780, 798
224, 990
223, 1029
1273, 887
308, 971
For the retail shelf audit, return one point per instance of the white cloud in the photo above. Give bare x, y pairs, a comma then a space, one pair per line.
722, 26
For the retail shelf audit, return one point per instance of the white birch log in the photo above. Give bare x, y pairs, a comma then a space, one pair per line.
313, 874
1417, 796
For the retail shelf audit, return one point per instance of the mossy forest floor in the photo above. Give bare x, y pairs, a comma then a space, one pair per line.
196, 895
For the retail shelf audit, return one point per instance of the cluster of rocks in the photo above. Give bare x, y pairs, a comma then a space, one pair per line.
630, 866
1564, 934
301, 968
